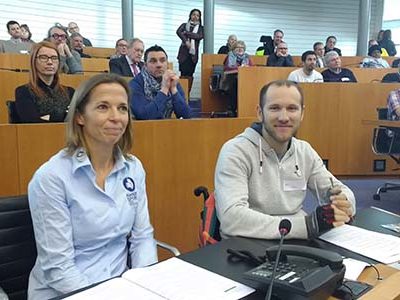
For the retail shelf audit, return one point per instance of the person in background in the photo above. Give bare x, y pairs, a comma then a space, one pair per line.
335, 73
392, 77
26, 35
393, 105
330, 45
15, 44
235, 59
374, 59
43, 99
129, 65
319, 50
156, 92
76, 40
88, 202
270, 44
307, 73
73, 27
228, 47
70, 60
121, 48
387, 43
190, 33
281, 57
375, 42
262, 175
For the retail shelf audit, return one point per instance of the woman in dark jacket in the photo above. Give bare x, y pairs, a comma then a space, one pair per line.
191, 33
43, 99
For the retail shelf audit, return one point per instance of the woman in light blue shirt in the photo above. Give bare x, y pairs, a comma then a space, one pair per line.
89, 202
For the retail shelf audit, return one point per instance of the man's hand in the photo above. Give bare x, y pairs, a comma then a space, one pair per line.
340, 201
340, 217
169, 82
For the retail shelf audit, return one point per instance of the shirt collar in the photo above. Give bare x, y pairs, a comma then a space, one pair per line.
80, 159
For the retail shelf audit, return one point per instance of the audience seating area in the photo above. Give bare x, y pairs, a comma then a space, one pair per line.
179, 155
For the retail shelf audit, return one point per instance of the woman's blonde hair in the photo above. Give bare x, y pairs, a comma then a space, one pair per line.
75, 136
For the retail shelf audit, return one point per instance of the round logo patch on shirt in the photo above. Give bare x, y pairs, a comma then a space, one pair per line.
129, 184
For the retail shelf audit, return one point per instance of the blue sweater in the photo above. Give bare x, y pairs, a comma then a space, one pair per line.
146, 109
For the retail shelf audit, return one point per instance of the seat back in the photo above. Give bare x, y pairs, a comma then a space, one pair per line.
17, 246
13, 116
216, 77
382, 113
209, 223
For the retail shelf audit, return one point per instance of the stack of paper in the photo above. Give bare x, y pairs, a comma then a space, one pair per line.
384, 248
172, 279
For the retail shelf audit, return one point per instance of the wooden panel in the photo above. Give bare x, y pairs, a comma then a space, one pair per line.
15, 61
9, 174
95, 65
96, 52
36, 144
365, 75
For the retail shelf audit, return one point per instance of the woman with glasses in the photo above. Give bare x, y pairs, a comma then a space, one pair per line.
70, 60
43, 99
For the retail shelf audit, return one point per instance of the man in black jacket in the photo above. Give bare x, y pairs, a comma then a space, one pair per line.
281, 57
131, 64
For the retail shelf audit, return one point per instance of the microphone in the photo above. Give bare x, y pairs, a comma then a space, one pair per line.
284, 228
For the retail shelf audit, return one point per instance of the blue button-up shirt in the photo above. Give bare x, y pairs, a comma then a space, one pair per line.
81, 230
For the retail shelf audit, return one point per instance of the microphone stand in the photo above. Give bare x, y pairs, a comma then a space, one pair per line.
269, 293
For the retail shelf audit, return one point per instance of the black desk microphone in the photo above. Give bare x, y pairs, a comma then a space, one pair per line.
284, 228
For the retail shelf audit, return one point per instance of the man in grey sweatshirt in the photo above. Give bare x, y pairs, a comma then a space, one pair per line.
263, 173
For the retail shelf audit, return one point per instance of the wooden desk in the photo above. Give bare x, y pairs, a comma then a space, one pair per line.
385, 123
97, 52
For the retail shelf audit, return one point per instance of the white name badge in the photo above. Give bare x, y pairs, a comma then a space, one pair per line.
290, 185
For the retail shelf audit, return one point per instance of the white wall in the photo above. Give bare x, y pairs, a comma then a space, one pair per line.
155, 22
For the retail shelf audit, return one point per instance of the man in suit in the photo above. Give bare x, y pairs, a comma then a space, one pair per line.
131, 64
319, 50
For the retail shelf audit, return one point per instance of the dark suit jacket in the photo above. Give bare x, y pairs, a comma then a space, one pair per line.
121, 67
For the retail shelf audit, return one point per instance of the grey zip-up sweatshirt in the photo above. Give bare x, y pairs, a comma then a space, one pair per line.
254, 190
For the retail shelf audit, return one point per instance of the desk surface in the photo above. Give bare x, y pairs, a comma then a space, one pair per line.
385, 123
214, 258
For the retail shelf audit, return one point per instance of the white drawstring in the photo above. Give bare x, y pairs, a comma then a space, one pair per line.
260, 154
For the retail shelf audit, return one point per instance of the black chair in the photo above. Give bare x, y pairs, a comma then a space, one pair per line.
17, 246
386, 141
13, 117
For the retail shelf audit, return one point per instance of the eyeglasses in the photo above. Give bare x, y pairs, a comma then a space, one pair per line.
59, 36
44, 58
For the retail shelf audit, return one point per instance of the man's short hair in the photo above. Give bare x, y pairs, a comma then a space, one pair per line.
154, 48
278, 30
12, 22
133, 41
329, 55
307, 53
75, 34
279, 83
316, 44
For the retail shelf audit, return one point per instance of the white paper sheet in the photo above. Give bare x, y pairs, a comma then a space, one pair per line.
353, 268
381, 247
176, 279
116, 289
